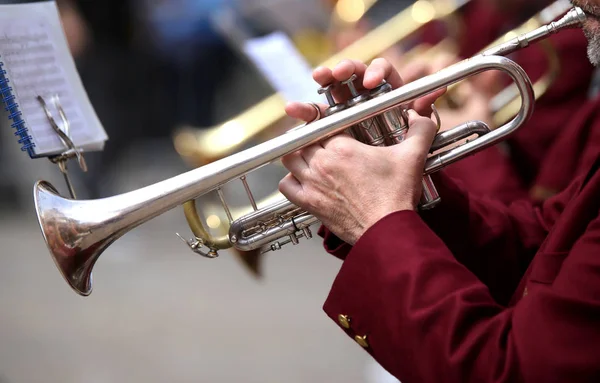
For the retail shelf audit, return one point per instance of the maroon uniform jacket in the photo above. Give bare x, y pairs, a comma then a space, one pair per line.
576, 146
508, 172
478, 291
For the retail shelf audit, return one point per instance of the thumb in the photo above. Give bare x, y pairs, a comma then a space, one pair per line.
305, 111
421, 132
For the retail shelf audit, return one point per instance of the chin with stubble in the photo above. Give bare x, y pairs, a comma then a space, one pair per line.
593, 49
591, 27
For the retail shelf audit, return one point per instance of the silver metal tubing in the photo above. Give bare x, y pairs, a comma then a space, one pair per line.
78, 231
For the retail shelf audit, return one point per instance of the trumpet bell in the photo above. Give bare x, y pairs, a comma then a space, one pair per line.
64, 235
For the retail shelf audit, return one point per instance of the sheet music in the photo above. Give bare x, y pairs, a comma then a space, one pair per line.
284, 67
36, 58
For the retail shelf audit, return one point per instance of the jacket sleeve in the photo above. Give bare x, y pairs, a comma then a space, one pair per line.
426, 318
494, 241
576, 148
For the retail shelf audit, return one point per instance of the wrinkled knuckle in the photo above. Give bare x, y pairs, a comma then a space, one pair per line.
316, 203
341, 149
285, 161
309, 200
321, 166
284, 186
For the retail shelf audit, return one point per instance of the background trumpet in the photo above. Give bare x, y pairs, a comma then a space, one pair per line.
77, 232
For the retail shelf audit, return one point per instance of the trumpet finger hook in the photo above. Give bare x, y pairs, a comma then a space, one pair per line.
437, 117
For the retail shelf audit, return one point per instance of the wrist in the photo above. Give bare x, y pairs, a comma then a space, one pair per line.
375, 217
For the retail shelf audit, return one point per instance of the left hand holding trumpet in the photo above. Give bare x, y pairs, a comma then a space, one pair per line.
348, 185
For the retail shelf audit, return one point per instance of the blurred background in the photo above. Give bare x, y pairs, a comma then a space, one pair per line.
162, 75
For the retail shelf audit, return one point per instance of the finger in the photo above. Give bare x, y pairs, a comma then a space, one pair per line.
291, 189
295, 164
414, 70
490, 82
347, 68
423, 105
421, 132
342, 72
309, 152
443, 60
303, 111
379, 70
323, 76
340, 139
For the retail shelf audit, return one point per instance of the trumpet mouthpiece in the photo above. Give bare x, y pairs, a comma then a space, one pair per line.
571, 19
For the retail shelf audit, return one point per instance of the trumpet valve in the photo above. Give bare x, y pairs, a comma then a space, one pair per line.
334, 107
350, 84
357, 98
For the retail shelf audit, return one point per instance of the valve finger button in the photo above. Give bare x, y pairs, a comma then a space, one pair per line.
357, 98
333, 106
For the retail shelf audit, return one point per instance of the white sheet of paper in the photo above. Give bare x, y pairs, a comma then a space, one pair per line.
287, 71
37, 60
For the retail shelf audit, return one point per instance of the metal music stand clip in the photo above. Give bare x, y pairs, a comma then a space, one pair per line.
64, 135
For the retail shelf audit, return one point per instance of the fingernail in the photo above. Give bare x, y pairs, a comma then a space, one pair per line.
372, 77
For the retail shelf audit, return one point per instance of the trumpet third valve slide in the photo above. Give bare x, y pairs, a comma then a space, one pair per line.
77, 232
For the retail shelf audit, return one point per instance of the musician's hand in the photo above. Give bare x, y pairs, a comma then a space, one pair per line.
348, 185
367, 78
425, 65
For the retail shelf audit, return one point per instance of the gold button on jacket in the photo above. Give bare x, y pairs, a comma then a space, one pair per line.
362, 340
344, 321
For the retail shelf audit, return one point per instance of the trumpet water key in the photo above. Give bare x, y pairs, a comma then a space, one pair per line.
77, 232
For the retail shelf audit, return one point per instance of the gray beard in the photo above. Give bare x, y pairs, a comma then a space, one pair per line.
593, 49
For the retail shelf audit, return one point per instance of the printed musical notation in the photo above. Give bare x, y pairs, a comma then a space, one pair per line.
30, 59
35, 55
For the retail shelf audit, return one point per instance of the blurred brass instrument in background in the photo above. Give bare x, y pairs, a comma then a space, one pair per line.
201, 146
316, 46
506, 104
503, 106
77, 232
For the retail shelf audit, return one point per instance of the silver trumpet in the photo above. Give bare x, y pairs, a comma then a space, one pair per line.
78, 231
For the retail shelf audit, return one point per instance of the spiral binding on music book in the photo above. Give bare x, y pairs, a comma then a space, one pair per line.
12, 107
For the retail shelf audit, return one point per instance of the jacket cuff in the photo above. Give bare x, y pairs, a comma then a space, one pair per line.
333, 245
386, 251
